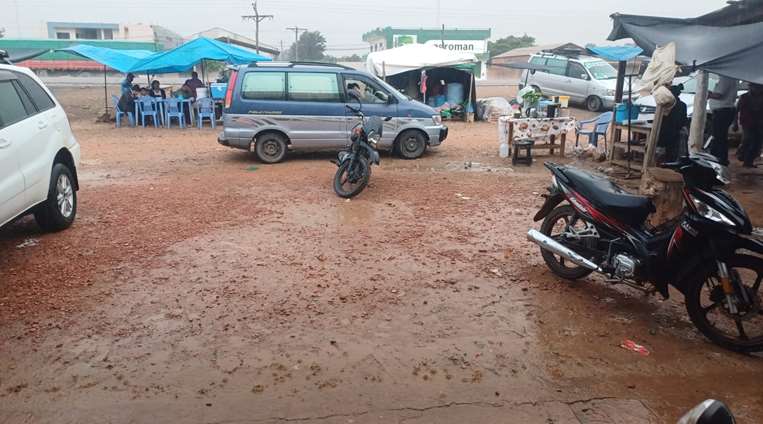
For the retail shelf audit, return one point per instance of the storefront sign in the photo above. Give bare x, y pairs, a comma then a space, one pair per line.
471, 46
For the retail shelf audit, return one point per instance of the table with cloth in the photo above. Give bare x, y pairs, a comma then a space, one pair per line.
546, 129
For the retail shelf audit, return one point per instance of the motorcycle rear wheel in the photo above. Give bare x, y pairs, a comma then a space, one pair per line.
350, 182
705, 304
551, 228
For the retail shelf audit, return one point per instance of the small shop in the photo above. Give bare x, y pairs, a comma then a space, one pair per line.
439, 78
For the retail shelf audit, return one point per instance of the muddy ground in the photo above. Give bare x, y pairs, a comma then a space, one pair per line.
200, 286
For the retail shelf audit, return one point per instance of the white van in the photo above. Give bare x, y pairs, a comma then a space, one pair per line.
38, 153
587, 80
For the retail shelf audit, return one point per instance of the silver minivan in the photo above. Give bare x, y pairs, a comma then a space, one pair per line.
272, 108
587, 80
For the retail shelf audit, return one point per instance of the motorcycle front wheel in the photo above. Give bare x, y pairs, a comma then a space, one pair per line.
349, 180
742, 330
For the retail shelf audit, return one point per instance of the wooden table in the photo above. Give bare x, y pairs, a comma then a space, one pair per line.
618, 129
540, 129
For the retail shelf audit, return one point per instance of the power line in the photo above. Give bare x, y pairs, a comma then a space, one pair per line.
257, 18
296, 30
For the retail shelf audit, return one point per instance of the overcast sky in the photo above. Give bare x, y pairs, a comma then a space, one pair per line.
343, 22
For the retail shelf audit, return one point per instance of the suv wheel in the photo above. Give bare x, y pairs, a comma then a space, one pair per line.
411, 144
58, 211
270, 148
594, 104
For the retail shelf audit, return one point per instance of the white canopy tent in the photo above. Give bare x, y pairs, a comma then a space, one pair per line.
414, 56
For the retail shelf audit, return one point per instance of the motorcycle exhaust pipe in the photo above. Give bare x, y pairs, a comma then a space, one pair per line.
547, 243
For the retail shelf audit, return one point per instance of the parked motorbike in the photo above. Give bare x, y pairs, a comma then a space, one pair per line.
709, 412
603, 229
355, 163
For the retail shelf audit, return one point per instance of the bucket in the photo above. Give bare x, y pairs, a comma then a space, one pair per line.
621, 112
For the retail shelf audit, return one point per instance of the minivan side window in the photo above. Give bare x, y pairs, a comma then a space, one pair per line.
556, 66
40, 98
264, 86
314, 87
576, 70
12, 109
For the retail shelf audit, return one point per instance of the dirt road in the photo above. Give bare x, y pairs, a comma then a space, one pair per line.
199, 286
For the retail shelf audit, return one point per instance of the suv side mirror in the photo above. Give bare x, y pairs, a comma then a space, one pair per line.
382, 96
584, 76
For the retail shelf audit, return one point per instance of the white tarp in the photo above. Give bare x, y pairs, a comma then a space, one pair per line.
414, 56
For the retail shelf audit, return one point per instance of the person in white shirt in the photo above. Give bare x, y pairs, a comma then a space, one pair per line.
723, 106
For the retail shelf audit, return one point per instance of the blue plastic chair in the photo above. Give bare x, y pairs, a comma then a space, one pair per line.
119, 113
147, 106
173, 109
206, 108
601, 125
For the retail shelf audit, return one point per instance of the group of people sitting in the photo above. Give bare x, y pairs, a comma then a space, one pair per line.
131, 92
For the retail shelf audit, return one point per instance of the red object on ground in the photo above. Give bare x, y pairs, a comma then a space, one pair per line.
634, 347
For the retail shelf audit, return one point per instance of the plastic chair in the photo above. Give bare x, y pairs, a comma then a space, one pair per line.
206, 109
173, 108
601, 125
118, 113
147, 106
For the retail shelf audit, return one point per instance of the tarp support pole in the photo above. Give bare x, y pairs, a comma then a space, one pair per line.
105, 93
699, 116
621, 69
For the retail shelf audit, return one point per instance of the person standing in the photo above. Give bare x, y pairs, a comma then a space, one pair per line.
722, 104
194, 83
126, 85
751, 121
671, 133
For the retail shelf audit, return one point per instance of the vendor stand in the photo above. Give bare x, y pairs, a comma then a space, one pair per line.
442, 79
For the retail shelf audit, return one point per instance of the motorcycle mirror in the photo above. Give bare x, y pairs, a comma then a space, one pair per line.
709, 412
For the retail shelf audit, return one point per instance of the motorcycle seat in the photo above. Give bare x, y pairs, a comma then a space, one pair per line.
610, 198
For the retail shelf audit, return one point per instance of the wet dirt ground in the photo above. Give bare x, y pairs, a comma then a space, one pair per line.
200, 286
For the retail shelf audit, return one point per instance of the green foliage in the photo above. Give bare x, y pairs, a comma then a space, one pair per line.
351, 58
312, 45
511, 42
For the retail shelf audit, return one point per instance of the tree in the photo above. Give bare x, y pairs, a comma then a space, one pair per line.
511, 42
312, 45
352, 58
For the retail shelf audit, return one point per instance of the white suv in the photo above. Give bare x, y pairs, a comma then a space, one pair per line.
38, 153
587, 80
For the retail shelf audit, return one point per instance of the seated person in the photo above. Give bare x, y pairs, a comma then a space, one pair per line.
354, 88
156, 91
185, 92
144, 92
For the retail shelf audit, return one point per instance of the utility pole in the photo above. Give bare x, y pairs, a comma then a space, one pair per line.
257, 18
296, 30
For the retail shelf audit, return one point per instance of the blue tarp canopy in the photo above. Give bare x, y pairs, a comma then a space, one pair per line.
184, 57
616, 53
120, 60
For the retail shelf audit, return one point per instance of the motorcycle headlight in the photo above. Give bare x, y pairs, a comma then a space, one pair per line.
721, 172
437, 119
708, 212
374, 139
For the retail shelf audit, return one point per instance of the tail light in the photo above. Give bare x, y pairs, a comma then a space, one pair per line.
231, 87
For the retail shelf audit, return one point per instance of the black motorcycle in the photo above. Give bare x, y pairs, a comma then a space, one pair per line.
355, 162
603, 229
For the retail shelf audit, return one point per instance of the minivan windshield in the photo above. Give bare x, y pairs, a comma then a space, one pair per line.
601, 70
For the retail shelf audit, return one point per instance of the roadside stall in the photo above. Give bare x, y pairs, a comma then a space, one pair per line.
440, 78
180, 59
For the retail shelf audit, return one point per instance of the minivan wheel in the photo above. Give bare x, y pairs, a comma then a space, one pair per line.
593, 104
411, 144
270, 148
59, 210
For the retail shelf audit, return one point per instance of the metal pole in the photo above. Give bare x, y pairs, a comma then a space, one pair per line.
105, 93
699, 116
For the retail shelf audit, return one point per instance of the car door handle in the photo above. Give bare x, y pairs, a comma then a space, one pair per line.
4, 143
42, 125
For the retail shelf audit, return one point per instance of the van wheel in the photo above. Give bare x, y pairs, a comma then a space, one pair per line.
58, 211
270, 148
411, 144
593, 104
